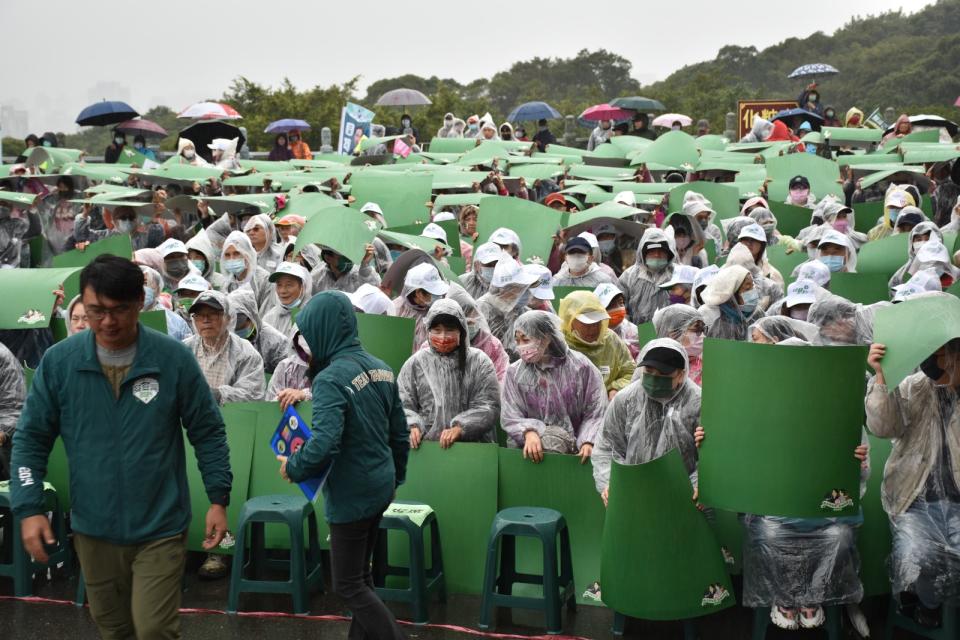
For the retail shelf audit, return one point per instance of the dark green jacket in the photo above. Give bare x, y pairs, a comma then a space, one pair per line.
358, 422
128, 481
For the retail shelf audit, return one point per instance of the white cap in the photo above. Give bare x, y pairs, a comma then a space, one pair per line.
754, 232
926, 280
628, 198
291, 269
487, 252
371, 207
504, 236
705, 276
508, 271
193, 282
896, 199
425, 276
592, 317
682, 274
801, 292
372, 300
607, 291
544, 285
435, 231
814, 270
171, 246
933, 251
834, 237
591, 239
219, 144
443, 216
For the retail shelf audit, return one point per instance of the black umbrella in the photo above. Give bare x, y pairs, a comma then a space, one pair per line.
106, 112
203, 132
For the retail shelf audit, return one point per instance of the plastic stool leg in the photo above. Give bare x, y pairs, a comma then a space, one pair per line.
619, 624
551, 590
237, 567
490, 582
566, 568
690, 630
834, 623
761, 619
298, 572
418, 577
436, 559
508, 564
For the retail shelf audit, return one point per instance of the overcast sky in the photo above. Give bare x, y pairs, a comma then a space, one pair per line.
191, 49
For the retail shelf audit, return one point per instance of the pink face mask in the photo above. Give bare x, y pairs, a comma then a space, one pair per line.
799, 196
841, 225
529, 352
695, 346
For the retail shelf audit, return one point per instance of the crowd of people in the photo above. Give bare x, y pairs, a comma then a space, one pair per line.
494, 348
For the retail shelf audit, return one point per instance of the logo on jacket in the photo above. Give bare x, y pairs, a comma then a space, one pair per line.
146, 389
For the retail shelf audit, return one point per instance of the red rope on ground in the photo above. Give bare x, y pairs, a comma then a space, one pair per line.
325, 618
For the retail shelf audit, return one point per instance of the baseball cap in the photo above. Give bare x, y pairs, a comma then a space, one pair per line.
754, 232
443, 216
508, 271
544, 284
504, 236
801, 292
799, 181
628, 198
607, 292
815, 271
435, 231
590, 238
909, 218
663, 359
487, 252
592, 317
291, 269
705, 276
577, 243
425, 276
291, 219
683, 274
206, 299
193, 282
555, 197
171, 246
371, 207
372, 300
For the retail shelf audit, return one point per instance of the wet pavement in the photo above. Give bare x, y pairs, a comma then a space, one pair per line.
22, 620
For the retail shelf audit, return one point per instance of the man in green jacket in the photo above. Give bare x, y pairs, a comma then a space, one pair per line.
118, 396
360, 429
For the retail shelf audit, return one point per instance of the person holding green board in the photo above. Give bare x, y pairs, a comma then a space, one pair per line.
921, 482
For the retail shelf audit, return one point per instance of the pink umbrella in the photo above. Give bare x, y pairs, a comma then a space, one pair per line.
957, 103
605, 112
210, 111
141, 127
667, 120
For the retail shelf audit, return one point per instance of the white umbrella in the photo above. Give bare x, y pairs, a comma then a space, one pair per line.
666, 120
209, 111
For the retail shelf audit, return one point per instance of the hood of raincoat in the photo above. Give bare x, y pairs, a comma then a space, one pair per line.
853, 111
153, 279
77, 298
780, 328
667, 343
471, 312
675, 320
149, 257
835, 237
229, 312
920, 229
201, 242
264, 221
724, 285
509, 128
329, 325
694, 203
573, 305
751, 202
540, 325
183, 143
889, 199
734, 226
841, 322
761, 128
450, 308
740, 255
832, 209
903, 119
241, 242
311, 255
689, 224
654, 235
244, 303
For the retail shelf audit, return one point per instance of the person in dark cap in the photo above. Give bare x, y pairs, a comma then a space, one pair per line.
543, 137
641, 127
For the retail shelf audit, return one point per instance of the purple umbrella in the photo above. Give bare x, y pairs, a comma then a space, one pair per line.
141, 127
286, 125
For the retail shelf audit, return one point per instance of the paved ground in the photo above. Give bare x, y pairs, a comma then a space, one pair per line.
34, 621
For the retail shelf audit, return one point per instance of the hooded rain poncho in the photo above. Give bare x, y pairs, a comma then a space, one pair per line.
281, 318
641, 285
480, 336
721, 312
254, 277
272, 253
272, 345
609, 353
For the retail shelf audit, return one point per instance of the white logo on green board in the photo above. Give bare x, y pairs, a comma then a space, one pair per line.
714, 595
146, 389
836, 500
32, 316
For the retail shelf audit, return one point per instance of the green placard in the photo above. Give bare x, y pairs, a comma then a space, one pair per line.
674, 149
724, 198
790, 218
783, 262
884, 256
873, 538
912, 330
452, 227
465, 502
115, 245
457, 264
559, 293
156, 320
645, 333
866, 215
771, 455
660, 560
865, 288
28, 296
534, 223
560, 482
387, 337
452, 145
823, 174
344, 230
401, 196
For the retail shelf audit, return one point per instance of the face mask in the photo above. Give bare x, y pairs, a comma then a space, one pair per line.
703, 222
138, 146
834, 263
530, 352
486, 273
656, 264
177, 269
917, 244
799, 314
47, 143
235, 267
675, 128
683, 242
473, 127
606, 246
294, 138
201, 265
395, 253
189, 154
292, 305
893, 213
799, 196
576, 263
931, 369
244, 333
405, 122
616, 316
695, 347
812, 97
677, 299
657, 386
149, 297
769, 228
118, 140
473, 328
750, 300
126, 226
841, 225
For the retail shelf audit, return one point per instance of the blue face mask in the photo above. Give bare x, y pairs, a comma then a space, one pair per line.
750, 300
893, 213
292, 305
126, 226
395, 253
486, 273
244, 333
834, 263
235, 267
149, 297
201, 265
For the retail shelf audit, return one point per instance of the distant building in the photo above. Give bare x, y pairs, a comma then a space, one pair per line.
14, 122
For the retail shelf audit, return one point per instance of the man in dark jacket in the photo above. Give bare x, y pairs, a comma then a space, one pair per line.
640, 128
120, 396
543, 137
359, 428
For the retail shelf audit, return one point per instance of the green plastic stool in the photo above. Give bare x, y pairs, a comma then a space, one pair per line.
21, 567
620, 624
833, 624
304, 566
546, 525
423, 582
949, 626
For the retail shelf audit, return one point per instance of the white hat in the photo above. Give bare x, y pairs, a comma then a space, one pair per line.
171, 246
682, 274
926, 280
291, 269
372, 300
628, 198
896, 198
754, 232
425, 276
694, 203
371, 207
193, 282
435, 231
591, 239
592, 317
933, 251
443, 216
801, 292
504, 236
607, 291
705, 276
487, 252
508, 271
219, 144
814, 270
544, 285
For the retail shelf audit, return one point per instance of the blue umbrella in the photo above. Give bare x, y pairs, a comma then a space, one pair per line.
533, 111
286, 125
808, 116
811, 70
106, 112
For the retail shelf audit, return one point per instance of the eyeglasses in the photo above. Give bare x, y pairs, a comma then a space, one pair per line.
99, 313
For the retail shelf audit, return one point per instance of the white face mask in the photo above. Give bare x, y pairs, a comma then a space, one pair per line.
917, 244
576, 262
189, 154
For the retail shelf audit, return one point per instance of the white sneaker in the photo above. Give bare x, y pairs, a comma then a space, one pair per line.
778, 618
858, 620
814, 621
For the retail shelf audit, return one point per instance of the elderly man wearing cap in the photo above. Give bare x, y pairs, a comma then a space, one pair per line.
290, 226
579, 268
585, 325
641, 282
799, 194
422, 286
648, 419
293, 287
506, 300
612, 298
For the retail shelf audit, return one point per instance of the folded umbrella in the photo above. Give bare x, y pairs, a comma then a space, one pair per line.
210, 111
141, 127
533, 111
286, 125
106, 112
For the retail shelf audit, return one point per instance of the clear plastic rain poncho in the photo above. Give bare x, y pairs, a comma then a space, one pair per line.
272, 345
202, 244
177, 327
921, 480
403, 307
800, 562
291, 373
280, 317
351, 277
675, 322
694, 203
560, 395
724, 316
477, 280
608, 352
501, 306
830, 212
231, 366
641, 284
13, 392
638, 428
438, 392
779, 328
928, 229
770, 289
480, 336
272, 253
841, 322
253, 276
